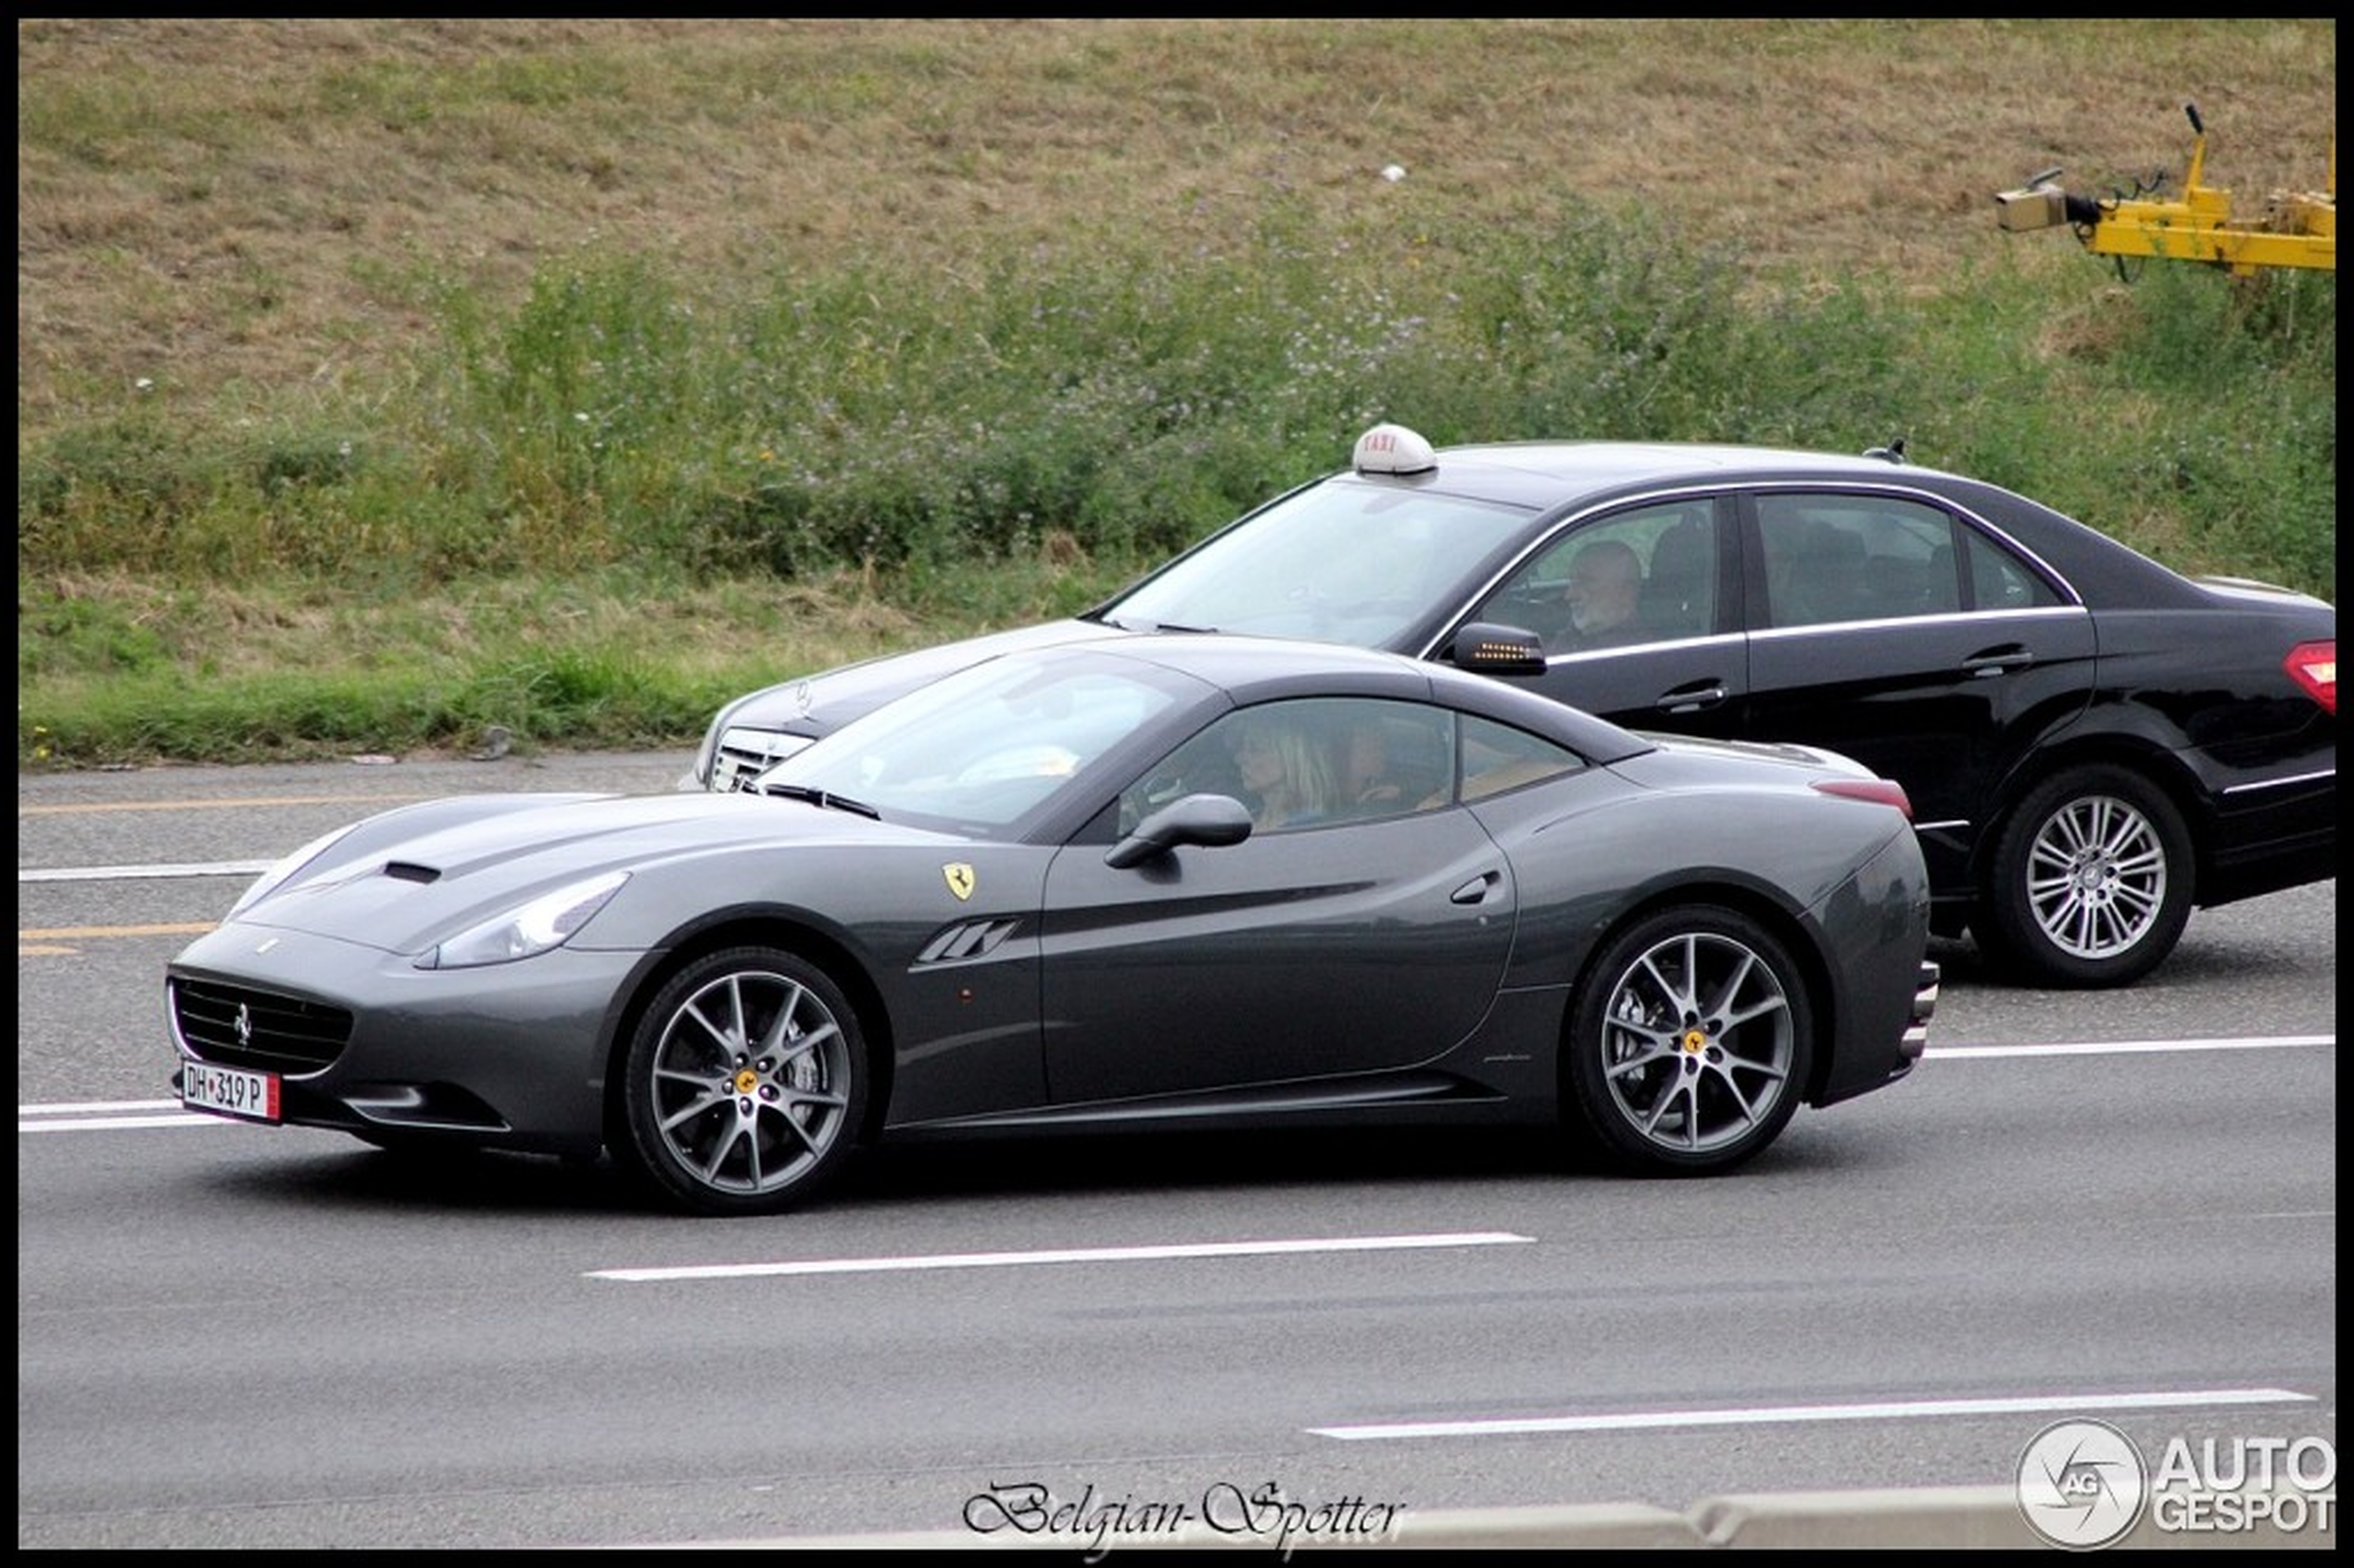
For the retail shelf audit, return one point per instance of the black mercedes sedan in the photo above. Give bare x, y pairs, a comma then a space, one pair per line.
2095, 744
1161, 881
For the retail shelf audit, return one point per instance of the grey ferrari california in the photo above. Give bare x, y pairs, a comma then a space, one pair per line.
1173, 881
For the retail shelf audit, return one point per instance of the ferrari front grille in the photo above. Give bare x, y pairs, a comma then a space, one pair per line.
236, 1026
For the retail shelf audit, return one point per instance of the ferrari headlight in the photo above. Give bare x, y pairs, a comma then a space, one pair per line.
272, 879
531, 928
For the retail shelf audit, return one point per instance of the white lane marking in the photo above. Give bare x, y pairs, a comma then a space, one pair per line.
96, 1107
110, 873
2125, 1047
1769, 1415
116, 1123
1063, 1254
105, 1115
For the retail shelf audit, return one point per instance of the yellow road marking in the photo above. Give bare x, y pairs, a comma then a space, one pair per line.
83, 933
25, 810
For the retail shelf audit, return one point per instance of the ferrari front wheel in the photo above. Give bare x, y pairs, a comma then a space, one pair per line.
744, 1084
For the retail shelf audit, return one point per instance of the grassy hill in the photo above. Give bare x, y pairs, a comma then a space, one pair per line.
382, 380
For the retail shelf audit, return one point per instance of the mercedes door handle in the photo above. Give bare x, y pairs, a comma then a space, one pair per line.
1997, 664
1691, 699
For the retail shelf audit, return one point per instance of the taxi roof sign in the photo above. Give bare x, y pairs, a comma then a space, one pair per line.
1393, 449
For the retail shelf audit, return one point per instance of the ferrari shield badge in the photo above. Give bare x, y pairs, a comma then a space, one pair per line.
960, 879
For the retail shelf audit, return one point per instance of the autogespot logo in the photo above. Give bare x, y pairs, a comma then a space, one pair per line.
2081, 1483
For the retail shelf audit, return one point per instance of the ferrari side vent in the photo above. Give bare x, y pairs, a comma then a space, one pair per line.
971, 939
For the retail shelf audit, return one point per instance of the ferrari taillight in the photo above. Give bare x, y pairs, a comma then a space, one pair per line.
2313, 666
1881, 792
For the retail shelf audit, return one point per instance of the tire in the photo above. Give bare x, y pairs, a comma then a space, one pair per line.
1690, 1042
2089, 882
744, 1084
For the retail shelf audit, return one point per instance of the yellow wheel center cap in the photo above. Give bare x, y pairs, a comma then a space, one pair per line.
1695, 1041
746, 1081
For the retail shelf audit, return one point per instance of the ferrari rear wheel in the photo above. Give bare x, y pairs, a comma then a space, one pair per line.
744, 1084
1690, 1042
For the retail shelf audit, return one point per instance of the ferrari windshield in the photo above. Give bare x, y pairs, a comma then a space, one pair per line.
1344, 562
980, 748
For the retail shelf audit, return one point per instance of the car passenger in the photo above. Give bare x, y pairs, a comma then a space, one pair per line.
1286, 775
1367, 786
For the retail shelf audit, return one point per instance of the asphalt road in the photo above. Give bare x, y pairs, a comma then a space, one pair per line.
234, 1336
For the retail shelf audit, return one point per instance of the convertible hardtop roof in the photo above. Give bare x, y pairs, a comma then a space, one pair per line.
1255, 670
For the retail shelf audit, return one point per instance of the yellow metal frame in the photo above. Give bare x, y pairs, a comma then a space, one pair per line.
2297, 229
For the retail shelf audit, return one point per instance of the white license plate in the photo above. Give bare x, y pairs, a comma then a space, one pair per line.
229, 1091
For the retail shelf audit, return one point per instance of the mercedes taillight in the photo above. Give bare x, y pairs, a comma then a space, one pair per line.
2313, 666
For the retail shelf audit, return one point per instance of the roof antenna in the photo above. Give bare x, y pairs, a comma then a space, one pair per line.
1892, 452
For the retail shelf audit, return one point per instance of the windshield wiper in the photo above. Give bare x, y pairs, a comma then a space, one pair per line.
1140, 625
824, 798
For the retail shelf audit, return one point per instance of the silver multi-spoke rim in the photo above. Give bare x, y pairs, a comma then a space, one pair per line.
1697, 1042
750, 1082
2096, 876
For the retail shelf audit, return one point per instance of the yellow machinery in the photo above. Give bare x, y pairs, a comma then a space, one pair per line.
2297, 229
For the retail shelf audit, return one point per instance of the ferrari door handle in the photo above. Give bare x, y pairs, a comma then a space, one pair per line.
1477, 889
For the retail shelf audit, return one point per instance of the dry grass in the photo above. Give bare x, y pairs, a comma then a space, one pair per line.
257, 204
220, 216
